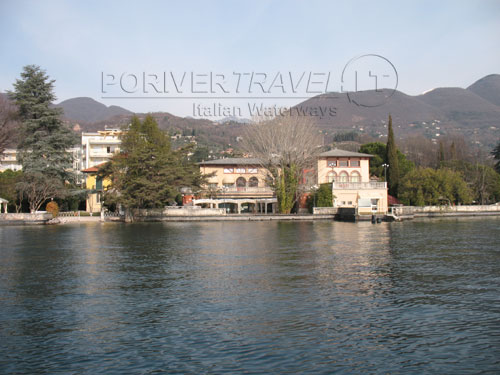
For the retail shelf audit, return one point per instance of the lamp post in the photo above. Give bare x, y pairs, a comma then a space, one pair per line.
385, 170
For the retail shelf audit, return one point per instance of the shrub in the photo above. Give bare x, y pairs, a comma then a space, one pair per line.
53, 208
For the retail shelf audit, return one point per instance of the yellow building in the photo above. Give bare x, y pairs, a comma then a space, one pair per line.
238, 185
97, 185
349, 174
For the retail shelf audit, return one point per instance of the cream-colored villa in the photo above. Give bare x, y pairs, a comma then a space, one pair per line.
239, 184
349, 174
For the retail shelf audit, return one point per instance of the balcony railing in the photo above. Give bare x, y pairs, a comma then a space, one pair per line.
243, 190
359, 185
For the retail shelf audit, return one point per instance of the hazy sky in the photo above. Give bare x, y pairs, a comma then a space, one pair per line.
431, 43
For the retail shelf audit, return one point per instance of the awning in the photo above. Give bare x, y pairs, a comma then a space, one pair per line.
364, 202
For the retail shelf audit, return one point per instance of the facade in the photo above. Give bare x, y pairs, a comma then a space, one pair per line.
8, 160
241, 182
238, 185
98, 147
97, 186
349, 174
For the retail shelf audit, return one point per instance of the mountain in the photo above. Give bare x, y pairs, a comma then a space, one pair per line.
88, 110
488, 88
437, 113
463, 106
473, 113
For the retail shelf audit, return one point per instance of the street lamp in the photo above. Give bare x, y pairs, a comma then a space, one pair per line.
385, 170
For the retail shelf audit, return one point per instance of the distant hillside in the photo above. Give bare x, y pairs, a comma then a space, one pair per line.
88, 110
471, 113
437, 113
488, 88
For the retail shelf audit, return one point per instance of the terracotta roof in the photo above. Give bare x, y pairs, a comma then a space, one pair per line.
392, 200
343, 153
232, 161
93, 169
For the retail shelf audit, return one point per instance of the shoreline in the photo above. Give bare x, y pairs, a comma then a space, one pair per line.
36, 220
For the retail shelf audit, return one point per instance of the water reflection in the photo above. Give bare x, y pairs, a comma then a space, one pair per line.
270, 297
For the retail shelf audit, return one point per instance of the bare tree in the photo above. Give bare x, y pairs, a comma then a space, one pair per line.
285, 146
38, 188
8, 115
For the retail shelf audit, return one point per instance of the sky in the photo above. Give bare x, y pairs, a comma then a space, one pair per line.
84, 44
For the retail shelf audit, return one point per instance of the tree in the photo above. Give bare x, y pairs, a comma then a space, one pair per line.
427, 186
8, 181
496, 155
38, 188
285, 146
379, 152
148, 173
483, 180
392, 160
44, 139
8, 123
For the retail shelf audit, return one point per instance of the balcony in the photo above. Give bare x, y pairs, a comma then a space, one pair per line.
358, 185
241, 191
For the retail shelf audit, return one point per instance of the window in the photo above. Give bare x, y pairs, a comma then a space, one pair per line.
253, 182
349, 203
354, 163
212, 186
252, 170
240, 170
332, 163
228, 185
241, 182
108, 149
228, 170
331, 177
344, 177
98, 183
343, 163
355, 177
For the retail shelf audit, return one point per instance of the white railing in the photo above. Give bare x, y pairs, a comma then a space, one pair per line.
245, 189
359, 185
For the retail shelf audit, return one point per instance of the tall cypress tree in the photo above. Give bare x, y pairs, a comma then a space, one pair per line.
44, 138
392, 160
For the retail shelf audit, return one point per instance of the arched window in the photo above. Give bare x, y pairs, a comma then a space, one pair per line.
355, 177
241, 182
332, 176
253, 182
344, 177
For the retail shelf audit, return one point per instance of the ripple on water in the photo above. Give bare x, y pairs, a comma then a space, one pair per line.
416, 297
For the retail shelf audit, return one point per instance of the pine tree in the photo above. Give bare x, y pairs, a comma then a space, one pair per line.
44, 138
43, 149
392, 160
148, 173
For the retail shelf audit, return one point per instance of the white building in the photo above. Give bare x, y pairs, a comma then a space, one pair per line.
8, 160
98, 147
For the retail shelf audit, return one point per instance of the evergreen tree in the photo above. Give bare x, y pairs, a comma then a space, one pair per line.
453, 151
148, 173
44, 138
392, 160
441, 153
496, 155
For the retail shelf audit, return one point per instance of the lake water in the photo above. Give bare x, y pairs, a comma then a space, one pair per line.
251, 297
